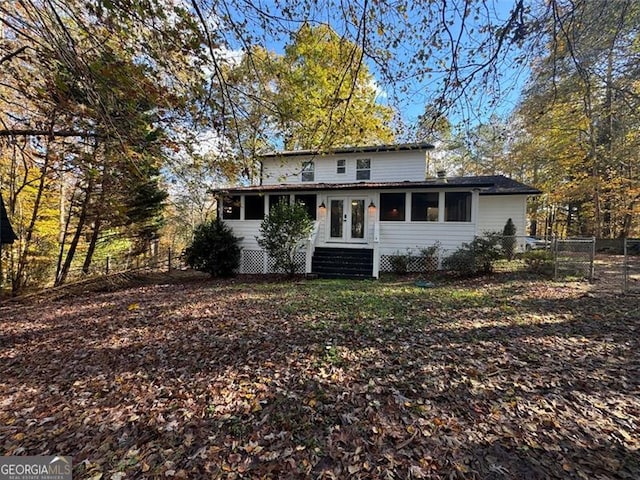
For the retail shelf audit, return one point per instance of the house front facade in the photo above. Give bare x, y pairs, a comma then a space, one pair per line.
369, 204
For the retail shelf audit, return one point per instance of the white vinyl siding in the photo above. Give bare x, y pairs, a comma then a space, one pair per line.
385, 167
398, 236
495, 210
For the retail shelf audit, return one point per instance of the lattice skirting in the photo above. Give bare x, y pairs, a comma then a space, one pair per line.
414, 264
257, 261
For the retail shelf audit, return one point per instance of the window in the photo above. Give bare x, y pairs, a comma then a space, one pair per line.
274, 199
424, 207
308, 169
253, 207
457, 206
309, 202
341, 166
231, 207
392, 207
363, 169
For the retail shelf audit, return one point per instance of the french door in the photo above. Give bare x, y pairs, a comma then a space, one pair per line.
347, 219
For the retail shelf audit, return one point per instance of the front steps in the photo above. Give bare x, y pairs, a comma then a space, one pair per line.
331, 262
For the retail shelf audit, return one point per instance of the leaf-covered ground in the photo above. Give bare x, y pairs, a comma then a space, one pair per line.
492, 378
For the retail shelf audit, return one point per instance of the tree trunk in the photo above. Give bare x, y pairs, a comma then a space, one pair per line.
19, 279
64, 272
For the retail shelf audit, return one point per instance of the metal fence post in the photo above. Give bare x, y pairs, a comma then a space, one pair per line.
593, 257
625, 270
554, 247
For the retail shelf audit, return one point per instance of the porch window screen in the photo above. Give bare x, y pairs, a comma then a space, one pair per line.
308, 171
457, 206
392, 207
274, 199
309, 202
363, 169
253, 207
231, 207
424, 207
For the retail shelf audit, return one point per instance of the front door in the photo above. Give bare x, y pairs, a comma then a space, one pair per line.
347, 219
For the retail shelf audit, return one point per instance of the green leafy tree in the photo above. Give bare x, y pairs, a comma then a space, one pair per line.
215, 249
282, 233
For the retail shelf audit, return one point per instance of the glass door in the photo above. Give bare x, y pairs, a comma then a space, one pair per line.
337, 218
347, 219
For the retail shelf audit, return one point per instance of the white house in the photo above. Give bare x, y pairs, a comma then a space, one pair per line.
369, 203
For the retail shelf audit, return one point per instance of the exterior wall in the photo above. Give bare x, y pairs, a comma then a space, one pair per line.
487, 213
399, 236
385, 167
495, 210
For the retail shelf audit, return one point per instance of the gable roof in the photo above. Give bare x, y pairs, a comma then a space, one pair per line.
402, 147
7, 234
487, 184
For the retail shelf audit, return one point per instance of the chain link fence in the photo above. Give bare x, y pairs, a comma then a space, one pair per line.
631, 266
574, 257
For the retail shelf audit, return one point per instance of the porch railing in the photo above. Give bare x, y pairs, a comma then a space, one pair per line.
311, 247
376, 250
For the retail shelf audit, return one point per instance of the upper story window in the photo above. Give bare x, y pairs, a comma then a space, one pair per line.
231, 207
308, 170
457, 206
363, 169
424, 207
392, 207
341, 166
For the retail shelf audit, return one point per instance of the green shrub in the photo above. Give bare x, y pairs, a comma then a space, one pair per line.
539, 261
214, 250
476, 257
283, 232
400, 262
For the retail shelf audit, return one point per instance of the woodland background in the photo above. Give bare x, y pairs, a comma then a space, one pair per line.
118, 117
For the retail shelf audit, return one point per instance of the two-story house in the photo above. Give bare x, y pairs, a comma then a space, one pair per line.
369, 203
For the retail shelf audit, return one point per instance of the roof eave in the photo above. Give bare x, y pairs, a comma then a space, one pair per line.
347, 150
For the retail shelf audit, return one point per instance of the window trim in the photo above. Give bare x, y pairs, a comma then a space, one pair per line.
343, 166
413, 207
402, 214
308, 168
281, 195
313, 214
262, 197
360, 170
237, 205
469, 212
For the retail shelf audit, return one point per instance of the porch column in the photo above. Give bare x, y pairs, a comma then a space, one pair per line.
475, 204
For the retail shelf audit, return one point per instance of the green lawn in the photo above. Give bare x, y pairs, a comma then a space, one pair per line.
488, 378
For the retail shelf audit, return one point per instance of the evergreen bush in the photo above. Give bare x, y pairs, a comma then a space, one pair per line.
214, 250
509, 240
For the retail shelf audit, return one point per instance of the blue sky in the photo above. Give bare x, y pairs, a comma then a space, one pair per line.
410, 95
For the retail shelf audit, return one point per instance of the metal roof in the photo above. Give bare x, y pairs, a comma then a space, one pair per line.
488, 185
